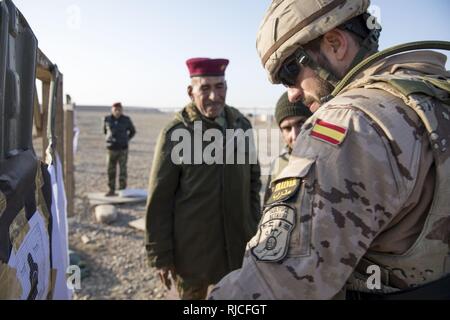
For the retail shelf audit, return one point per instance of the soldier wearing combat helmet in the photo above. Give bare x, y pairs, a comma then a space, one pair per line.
367, 184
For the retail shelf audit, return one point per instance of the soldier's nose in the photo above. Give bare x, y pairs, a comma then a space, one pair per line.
294, 94
293, 136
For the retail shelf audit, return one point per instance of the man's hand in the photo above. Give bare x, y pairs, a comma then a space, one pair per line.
166, 275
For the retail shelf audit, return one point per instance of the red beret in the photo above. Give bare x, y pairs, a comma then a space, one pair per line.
205, 67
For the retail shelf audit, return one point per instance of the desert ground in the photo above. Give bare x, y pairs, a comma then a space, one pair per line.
113, 255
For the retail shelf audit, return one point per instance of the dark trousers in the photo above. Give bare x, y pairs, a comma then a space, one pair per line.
117, 157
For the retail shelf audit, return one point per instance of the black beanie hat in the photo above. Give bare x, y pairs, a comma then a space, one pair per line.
286, 109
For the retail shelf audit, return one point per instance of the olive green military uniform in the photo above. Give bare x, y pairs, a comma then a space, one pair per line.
200, 216
276, 167
358, 191
119, 132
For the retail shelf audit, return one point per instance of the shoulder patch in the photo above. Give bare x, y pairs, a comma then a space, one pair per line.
328, 132
272, 240
283, 190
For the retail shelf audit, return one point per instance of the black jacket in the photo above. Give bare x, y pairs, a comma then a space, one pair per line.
118, 132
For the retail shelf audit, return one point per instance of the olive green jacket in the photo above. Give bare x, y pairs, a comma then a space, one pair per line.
277, 165
199, 216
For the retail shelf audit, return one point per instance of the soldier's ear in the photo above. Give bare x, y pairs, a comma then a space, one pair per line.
189, 92
335, 43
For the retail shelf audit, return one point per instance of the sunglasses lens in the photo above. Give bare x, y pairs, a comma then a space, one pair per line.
288, 73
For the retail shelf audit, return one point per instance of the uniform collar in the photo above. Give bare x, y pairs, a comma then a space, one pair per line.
416, 62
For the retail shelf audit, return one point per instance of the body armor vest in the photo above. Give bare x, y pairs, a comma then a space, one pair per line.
428, 259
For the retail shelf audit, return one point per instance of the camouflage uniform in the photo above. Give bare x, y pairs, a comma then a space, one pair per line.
118, 131
114, 158
358, 190
367, 185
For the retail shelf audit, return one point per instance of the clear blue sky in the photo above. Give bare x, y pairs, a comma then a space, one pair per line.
135, 51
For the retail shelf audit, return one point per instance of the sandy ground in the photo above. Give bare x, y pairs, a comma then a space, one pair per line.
114, 255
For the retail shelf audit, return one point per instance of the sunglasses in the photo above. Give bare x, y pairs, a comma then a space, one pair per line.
289, 71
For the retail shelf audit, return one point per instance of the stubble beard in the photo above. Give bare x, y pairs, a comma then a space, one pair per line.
323, 89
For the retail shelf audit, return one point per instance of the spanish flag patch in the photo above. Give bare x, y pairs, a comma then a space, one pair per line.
328, 132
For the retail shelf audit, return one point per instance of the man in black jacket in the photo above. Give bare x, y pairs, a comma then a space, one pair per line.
119, 130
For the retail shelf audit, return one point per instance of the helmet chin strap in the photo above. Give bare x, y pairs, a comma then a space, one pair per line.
325, 75
321, 72
368, 48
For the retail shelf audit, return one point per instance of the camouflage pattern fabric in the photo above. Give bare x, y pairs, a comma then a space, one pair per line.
354, 188
289, 24
25, 194
117, 157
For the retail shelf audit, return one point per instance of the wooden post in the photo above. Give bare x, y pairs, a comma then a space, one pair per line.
59, 121
69, 180
63, 126
37, 114
45, 102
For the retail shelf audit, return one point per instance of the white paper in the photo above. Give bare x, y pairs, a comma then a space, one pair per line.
32, 260
60, 245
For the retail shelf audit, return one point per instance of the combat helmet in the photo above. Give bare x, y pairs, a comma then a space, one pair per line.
290, 24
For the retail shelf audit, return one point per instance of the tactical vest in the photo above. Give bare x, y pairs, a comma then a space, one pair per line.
428, 259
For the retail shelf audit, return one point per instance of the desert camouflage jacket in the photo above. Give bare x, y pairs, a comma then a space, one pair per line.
352, 187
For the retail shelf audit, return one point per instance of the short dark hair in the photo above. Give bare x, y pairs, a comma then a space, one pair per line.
117, 105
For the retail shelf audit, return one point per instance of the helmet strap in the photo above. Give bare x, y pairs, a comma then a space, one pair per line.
368, 47
321, 72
